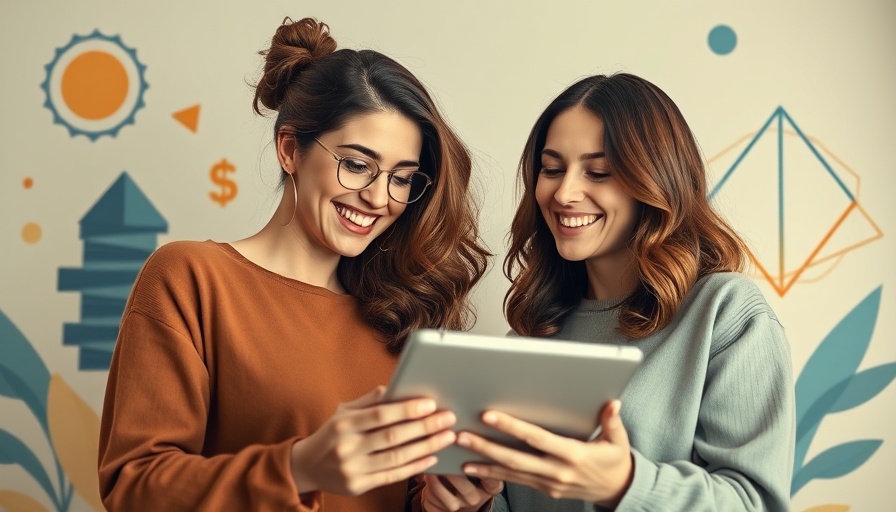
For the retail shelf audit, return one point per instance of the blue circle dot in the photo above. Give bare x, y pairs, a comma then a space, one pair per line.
722, 40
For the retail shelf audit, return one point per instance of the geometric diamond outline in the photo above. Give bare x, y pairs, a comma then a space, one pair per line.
784, 282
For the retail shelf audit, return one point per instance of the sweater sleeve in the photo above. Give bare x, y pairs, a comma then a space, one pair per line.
743, 446
153, 430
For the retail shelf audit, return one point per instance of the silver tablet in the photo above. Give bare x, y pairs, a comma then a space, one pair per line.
559, 385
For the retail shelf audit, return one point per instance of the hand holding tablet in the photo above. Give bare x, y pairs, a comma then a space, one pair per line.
558, 385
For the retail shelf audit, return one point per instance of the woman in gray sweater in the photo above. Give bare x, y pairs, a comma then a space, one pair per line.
614, 241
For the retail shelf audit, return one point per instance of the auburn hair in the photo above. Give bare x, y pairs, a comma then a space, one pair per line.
678, 238
420, 271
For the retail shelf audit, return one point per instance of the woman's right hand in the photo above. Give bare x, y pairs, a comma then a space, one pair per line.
367, 444
458, 493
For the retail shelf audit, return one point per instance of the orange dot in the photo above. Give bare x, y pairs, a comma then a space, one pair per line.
31, 233
27, 183
94, 85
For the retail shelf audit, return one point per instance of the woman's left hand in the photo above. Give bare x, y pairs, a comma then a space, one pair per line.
458, 493
599, 471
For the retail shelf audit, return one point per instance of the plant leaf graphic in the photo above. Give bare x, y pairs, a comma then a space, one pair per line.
835, 462
865, 386
75, 431
6, 388
14, 501
818, 410
839, 354
14, 451
847, 394
23, 374
833, 362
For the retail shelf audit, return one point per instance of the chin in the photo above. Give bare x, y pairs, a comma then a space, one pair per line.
351, 252
572, 255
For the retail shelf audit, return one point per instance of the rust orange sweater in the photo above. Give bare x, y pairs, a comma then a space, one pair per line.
220, 366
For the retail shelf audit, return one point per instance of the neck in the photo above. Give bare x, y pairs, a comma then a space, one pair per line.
612, 276
290, 252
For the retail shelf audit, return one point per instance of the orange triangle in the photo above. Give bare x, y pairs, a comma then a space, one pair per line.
188, 117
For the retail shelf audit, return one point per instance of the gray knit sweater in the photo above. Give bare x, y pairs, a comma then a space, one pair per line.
710, 411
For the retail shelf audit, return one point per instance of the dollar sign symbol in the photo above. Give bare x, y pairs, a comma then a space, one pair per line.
218, 175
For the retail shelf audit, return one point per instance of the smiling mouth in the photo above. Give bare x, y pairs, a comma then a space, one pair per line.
577, 221
354, 216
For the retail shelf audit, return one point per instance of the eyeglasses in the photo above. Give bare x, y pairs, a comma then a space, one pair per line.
357, 172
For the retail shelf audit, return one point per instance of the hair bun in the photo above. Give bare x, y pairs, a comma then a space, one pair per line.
293, 47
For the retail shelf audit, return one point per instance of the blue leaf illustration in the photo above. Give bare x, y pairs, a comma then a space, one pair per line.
812, 418
865, 386
834, 361
5, 388
13, 451
22, 371
845, 395
835, 462
839, 354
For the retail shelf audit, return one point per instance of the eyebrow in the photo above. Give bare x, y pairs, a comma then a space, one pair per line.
376, 156
586, 156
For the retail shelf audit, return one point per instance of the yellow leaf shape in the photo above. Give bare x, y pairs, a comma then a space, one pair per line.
75, 431
14, 501
831, 507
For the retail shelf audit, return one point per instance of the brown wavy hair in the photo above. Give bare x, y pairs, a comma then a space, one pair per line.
677, 239
433, 253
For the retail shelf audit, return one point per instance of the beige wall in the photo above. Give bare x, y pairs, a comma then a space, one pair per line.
492, 67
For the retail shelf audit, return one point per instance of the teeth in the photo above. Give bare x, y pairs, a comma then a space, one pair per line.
355, 217
575, 222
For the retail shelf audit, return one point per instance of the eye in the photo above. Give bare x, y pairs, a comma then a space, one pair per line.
551, 172
402, 178
356, 166
597, 175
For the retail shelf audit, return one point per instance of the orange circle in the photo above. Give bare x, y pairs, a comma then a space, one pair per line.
31, 233
94, 85
27, 183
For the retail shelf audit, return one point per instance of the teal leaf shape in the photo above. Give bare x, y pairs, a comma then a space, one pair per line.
835, 462
847, 394
23, 374
829, 369
5, 387
812, 418
14, 451
864, 386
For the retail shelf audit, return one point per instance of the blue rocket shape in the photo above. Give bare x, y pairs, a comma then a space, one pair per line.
119, 232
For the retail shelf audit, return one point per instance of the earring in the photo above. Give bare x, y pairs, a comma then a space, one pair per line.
295, 199
379, 244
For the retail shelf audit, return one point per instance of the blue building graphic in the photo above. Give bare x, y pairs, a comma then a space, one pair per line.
119, 233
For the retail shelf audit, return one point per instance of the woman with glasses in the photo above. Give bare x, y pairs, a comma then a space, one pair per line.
248, 375
614, 241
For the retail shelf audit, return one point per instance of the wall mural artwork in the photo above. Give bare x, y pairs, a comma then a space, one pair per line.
31, 232
831, 382
94, 85
188, 117
810, 211
812, 215
119, 232
799, 181
225, 188
70, 427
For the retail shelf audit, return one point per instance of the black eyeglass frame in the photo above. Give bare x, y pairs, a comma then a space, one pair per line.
372, 177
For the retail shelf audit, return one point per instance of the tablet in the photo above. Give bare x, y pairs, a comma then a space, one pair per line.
556, 384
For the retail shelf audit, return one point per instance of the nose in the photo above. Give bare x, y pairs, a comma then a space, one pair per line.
377, 193
571, 188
